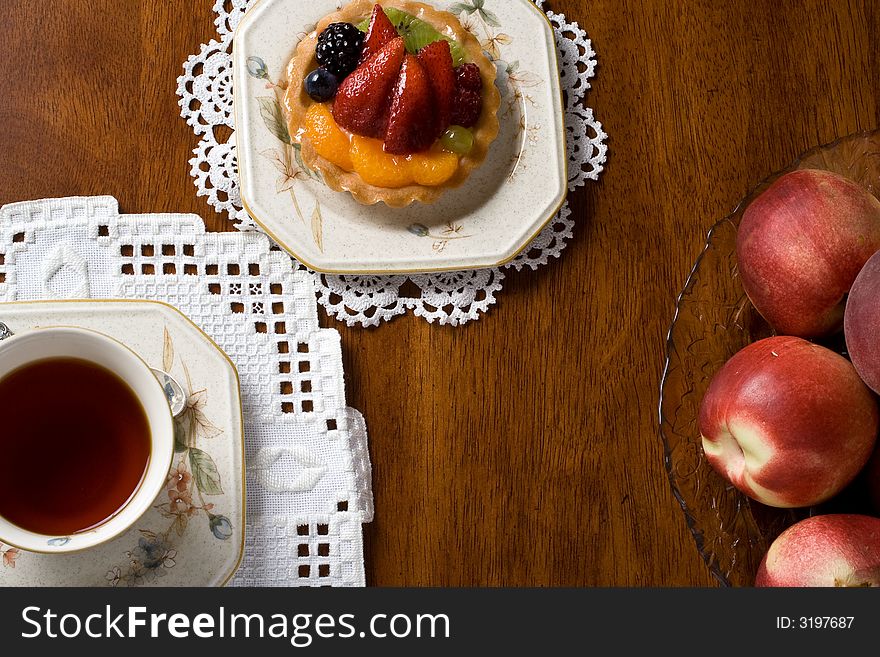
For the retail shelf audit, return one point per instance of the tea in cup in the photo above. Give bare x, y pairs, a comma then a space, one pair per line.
86, 439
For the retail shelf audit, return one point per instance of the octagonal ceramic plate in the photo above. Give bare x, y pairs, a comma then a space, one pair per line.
484, 223
193, 535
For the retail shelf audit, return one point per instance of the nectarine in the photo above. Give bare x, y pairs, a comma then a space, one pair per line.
832, 550
788, 422
800, 246
862, 323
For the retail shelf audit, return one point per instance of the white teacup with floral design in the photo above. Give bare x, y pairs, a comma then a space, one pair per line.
46, 344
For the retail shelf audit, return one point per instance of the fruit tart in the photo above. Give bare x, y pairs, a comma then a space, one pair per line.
393, 102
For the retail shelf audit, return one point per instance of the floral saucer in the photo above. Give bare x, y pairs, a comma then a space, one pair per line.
486, 222
194, 533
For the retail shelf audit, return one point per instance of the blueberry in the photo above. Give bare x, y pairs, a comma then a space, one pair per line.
321, 85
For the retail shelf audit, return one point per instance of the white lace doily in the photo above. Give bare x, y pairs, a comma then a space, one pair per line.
308, 468
453, 298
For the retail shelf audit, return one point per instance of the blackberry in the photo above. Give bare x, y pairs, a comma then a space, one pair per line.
339, 48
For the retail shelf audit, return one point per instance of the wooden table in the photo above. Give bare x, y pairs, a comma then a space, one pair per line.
521, 449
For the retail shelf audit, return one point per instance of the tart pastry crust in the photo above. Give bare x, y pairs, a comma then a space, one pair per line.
296, 103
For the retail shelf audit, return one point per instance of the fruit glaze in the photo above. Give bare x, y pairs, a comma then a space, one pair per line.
393, 102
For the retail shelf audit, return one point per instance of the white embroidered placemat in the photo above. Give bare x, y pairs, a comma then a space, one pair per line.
308, 470
452, 298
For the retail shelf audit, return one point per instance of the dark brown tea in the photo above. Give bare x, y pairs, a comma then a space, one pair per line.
74, 445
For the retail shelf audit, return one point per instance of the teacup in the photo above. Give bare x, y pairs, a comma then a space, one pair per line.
86, 441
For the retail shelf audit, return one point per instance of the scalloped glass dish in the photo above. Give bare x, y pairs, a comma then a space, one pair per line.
713, 320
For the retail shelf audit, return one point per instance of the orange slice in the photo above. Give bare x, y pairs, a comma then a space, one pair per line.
433, 168
328, 139
367, 157
376, 166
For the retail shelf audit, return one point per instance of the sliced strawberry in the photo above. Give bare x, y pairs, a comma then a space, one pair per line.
380, 32
436, 59
361, 103
412, 120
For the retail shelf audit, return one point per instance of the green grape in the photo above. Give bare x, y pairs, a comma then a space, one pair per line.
457, 140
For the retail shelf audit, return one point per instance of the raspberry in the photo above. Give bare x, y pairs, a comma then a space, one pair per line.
467, 104
467, 76
339, 48
466, 107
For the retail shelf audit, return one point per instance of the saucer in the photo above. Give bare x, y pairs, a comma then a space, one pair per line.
193, 534
486, 222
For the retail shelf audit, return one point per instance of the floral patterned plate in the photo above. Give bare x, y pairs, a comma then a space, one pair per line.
194, 533
485, 223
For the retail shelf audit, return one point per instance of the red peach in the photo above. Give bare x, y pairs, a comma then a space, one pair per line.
862, 323
788, 422
800, 246
832, 550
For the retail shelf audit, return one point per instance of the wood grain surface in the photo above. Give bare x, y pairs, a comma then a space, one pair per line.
521, 449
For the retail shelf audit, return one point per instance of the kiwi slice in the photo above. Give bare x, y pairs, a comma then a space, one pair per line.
417, 34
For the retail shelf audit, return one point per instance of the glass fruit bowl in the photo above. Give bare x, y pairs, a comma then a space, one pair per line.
713, 320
